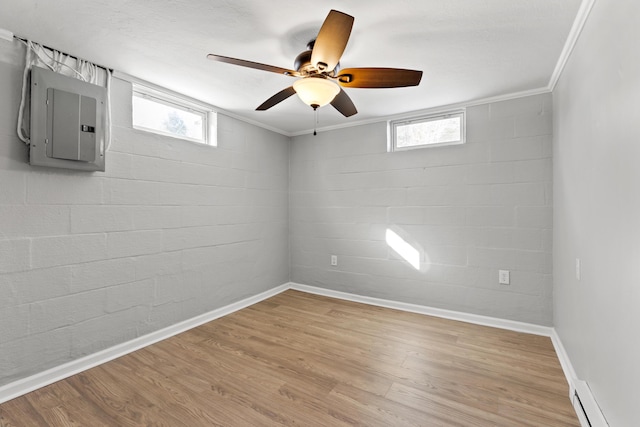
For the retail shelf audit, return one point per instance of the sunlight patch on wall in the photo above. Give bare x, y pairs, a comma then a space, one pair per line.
404, 249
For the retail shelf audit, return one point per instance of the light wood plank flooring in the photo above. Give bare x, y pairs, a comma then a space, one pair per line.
304, 360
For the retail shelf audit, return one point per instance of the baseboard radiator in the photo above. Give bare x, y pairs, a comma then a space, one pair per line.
586, 407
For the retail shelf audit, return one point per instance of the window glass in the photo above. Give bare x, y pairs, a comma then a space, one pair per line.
168, 116
444, 129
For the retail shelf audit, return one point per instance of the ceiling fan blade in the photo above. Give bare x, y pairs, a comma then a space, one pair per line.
344, 104
277, 98
331, 41
378, 77
255, 65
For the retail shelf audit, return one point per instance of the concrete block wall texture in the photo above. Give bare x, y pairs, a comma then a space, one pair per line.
171, 230
471, 209
174, 229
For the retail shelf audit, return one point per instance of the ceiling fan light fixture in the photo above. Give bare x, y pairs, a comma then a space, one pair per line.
316, 91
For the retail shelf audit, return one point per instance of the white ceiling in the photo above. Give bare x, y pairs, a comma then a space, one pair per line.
468, 49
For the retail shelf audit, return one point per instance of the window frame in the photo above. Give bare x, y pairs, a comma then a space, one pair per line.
209, 116
394, 124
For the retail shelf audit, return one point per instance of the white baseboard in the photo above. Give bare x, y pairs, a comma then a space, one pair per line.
26, 385
587, 400
34, 382
580, 388
567, 367
430, 311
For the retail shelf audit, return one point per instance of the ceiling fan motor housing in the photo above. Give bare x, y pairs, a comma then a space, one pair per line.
303, 65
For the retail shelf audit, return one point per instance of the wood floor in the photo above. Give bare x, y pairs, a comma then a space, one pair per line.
304, 360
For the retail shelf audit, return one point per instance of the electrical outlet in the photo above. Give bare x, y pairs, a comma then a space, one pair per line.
334, 260
503, 277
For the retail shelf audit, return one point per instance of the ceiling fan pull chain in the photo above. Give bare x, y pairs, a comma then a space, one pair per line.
315, 121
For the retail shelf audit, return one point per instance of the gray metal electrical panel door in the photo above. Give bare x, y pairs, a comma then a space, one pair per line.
67, 122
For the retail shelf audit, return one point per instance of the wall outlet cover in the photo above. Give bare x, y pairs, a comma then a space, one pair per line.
503, 277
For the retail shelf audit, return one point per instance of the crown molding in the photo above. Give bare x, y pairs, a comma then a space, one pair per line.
429, 111
135, 80
6, 35
574, 34
572, 39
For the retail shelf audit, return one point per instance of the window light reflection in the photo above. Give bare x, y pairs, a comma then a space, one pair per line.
404, 249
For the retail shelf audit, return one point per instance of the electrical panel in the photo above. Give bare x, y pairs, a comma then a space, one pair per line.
67, 122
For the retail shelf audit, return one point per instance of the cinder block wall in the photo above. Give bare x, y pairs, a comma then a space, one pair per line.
174, 229
473, 209
171, 230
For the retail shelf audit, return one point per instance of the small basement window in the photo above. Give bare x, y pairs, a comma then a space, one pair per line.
427, 131
158, 112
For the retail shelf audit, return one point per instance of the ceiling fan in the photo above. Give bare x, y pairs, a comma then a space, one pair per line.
320, 77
